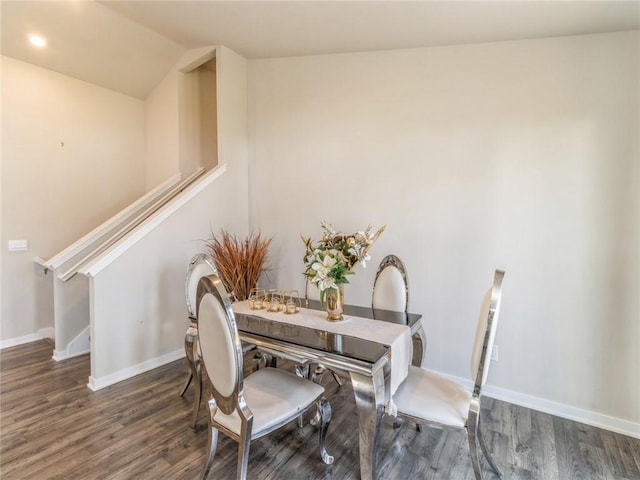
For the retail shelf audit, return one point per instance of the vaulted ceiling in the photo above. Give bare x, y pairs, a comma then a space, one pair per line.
128, 46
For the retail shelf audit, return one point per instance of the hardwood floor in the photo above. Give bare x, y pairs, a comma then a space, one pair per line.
53, 427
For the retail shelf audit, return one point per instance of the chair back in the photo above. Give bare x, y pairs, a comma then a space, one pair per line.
391, 286
486, 332
219, 343
200, 266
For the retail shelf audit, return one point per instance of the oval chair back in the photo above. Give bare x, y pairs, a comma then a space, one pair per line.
200, 266
391, 286
220, 345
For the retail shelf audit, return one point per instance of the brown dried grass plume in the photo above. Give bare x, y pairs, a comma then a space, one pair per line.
239, 262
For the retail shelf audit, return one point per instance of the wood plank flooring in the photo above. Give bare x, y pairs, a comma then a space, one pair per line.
53, 427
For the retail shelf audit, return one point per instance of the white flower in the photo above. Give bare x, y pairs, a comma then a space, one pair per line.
328, 262
327, 282
323, 268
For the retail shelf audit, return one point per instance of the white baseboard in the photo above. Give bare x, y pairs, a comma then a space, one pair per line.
78, 346
96, 383
32, 337
558, 409
59, 355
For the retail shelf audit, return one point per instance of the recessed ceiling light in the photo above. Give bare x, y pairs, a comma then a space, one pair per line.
37, 41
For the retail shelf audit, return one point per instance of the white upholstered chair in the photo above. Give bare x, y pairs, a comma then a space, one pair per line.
245, 409
200, 266
426, 397
391, 286
391, 292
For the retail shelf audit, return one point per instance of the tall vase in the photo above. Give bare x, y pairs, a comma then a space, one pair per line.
334, 303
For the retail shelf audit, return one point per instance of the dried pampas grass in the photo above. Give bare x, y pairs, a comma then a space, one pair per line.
239, 262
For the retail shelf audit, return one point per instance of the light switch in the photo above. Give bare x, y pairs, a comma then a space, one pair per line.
18, 245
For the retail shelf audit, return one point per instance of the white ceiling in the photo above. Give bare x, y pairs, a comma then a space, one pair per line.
128, 46
90, 42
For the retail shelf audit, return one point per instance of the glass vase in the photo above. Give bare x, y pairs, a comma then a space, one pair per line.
334, 303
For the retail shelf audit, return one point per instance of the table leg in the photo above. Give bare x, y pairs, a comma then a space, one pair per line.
369, 395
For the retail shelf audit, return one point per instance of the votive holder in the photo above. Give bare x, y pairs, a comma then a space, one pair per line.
276, 302
257, 299
292, 303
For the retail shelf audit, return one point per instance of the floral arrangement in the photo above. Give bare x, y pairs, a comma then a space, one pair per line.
330, 260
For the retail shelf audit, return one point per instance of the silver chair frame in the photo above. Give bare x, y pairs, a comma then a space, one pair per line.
472, 426
235, 402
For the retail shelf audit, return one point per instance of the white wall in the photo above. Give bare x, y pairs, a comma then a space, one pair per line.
139, 323
198, 113
2, 254
182, 105
233, 142
518, 155
138, 310
72, 156
161, 122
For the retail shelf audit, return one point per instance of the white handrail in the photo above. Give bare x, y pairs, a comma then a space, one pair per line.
131, 224
101, 261
76, 247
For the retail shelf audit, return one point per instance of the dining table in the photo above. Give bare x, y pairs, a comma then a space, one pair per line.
374, 347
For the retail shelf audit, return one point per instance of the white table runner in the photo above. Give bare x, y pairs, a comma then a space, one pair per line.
397, 336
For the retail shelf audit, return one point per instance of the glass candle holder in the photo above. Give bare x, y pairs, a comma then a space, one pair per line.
276, 302
292, 302
256, 299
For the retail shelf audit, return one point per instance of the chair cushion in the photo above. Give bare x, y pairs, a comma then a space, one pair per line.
429, 396
275, 397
